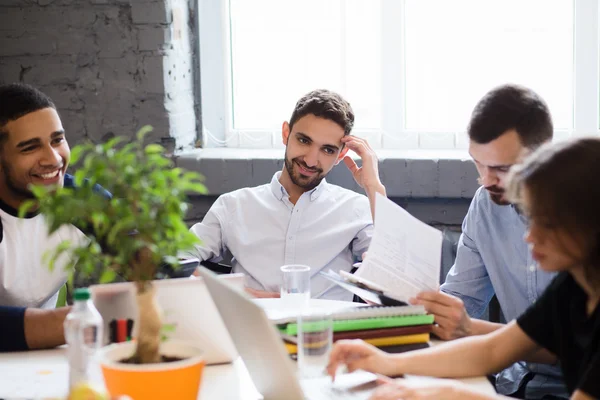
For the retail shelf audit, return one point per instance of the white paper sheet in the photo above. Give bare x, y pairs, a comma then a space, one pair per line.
405, 254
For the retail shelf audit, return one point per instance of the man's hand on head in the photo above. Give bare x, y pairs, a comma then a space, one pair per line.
451, 318
367, 176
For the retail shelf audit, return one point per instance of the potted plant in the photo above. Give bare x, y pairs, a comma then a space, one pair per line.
136, 231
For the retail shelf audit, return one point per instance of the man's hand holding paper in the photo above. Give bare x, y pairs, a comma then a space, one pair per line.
451, 318
405, 253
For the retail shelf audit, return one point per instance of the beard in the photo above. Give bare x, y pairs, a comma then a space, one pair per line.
497, 195
305, 182
12, 185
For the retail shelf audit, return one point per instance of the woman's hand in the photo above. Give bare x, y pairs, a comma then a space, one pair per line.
356, 354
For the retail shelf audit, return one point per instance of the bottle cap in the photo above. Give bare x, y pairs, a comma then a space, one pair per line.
81, 294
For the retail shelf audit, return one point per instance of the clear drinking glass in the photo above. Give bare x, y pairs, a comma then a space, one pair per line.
315, 338
295, 286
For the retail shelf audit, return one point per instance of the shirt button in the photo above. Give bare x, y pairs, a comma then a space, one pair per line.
532, 268
291, 237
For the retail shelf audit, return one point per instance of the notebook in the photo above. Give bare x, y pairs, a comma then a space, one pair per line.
372, 333
385, 332
361, 312
292, 348
367, 323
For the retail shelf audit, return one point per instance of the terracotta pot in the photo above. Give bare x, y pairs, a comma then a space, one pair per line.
171, 380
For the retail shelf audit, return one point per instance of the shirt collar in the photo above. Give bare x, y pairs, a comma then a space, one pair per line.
15, 212
279, 191
277, 188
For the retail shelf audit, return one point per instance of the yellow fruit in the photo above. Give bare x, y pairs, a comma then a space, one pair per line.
84, 391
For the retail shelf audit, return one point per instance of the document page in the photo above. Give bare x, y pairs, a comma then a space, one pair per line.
405, 254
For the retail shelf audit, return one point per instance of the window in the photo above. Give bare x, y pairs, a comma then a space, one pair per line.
412, 69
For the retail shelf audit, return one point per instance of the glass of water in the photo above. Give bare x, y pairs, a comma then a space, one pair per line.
295, 286
315, 338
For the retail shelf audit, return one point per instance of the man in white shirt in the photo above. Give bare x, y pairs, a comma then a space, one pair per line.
299, 218
33, 150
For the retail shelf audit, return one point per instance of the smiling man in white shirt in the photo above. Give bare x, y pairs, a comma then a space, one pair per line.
33, 151
299, 218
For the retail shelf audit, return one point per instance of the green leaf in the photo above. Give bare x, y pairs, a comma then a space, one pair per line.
108, 275
143, 132
172, 260
76, 154
195, 188
79, 177
154, 149
120, 227
27, 206
39, 191
169, 328
63, 246
51, 256
112, 143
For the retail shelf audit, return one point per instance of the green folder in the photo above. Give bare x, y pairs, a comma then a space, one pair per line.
365, 323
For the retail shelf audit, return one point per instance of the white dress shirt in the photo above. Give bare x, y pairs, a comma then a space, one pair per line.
329, 227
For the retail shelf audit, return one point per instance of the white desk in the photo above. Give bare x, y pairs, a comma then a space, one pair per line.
44, 374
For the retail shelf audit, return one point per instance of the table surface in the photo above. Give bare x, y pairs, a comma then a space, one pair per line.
44, 373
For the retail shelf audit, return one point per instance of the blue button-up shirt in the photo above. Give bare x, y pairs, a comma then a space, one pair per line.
492, 257
328, 227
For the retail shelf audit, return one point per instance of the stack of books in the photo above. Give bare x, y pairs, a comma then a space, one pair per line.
393, 329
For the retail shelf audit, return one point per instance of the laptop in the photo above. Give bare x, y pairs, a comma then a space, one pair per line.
264, 354
188, 313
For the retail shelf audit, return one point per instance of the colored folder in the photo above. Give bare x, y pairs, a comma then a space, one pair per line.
366, 323
385, 332
379, 342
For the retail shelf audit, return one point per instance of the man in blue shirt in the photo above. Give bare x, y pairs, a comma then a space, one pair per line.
492, 257
33, 150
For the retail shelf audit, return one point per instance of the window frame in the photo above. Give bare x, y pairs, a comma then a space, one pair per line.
216, 84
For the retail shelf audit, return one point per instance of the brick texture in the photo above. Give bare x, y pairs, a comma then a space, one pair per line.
111, 66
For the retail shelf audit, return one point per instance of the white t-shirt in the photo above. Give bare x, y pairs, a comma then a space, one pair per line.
25, 279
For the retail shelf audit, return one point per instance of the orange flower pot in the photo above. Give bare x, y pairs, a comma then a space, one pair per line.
172, 380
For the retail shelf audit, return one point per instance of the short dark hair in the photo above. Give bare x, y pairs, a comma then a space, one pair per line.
17, 100
510, 107
564, 188
326, 104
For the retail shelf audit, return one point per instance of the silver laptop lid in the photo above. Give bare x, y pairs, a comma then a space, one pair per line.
256, 339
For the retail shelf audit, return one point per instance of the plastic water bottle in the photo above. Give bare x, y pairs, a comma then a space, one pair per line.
83, 334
